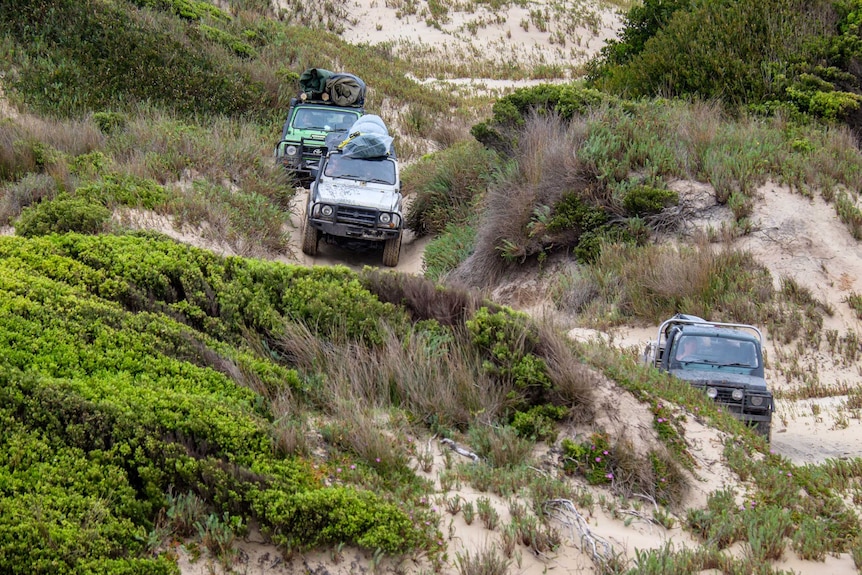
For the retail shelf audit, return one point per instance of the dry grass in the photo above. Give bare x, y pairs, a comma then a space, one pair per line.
510, 229
438, 381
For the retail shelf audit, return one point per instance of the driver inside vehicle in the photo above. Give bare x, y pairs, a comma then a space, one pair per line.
687, 350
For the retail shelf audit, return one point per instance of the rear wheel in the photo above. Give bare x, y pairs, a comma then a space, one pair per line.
310, 239
392, 251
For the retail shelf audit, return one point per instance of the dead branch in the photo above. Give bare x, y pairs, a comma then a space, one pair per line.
459, 450
564, 511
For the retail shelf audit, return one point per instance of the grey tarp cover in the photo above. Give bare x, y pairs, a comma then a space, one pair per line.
313, 80
367, 146
346, 90
369, 124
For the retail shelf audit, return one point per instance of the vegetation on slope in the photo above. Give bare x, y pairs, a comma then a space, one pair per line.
154, 392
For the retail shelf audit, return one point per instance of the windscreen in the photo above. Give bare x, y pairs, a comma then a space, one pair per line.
720, 351
320, 119
381, 171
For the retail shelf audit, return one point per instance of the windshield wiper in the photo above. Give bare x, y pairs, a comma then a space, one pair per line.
698, 360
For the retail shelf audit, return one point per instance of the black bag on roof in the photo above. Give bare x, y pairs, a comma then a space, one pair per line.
346, 89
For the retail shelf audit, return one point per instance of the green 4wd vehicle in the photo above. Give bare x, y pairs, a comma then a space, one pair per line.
723, 359
328, 102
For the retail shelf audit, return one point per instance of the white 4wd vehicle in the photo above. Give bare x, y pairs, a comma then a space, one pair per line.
354, 197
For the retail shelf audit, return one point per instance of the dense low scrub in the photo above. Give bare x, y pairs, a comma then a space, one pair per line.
149, 403
782, 54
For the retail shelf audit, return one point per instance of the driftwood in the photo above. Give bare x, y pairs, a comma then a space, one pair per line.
564, 511
459, 450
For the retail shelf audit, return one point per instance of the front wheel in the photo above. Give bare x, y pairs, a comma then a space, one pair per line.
764, 428
392, 251
310, 239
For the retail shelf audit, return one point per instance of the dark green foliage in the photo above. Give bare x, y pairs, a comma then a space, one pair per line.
510, 345
539, 423
645, 200
589, 227
511, 111
572, 213
641, 23
62, 214
110, 122
103, 54
789, 55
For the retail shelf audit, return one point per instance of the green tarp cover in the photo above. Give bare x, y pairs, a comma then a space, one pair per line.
313, 80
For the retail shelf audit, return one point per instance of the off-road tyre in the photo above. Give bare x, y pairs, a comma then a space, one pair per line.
764, 428
392, 251
310, 238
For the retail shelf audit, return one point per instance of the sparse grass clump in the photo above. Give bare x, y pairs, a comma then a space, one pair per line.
486, 561
500, 446
854, 300
654, 282
444, 187
447, 250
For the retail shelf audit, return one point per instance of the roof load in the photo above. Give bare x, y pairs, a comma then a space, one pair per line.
312, 82
367, 145
338, 88
369, 124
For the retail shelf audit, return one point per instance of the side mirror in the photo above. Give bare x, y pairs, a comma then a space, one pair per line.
314, 171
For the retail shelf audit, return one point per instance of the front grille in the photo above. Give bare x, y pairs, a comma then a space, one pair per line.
725, 398
356, 216
725, 395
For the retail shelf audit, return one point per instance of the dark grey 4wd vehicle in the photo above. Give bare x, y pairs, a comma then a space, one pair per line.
723, 359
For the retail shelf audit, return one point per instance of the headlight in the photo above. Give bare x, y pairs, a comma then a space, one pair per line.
326, 211
385, 218
756, 400
737, 394
290, 151
711, 392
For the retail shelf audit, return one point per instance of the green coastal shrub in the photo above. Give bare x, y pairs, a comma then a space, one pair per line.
111, 401
124, 189
60, 215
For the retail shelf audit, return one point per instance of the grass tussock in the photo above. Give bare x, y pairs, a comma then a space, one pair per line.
513, 226
654, 282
